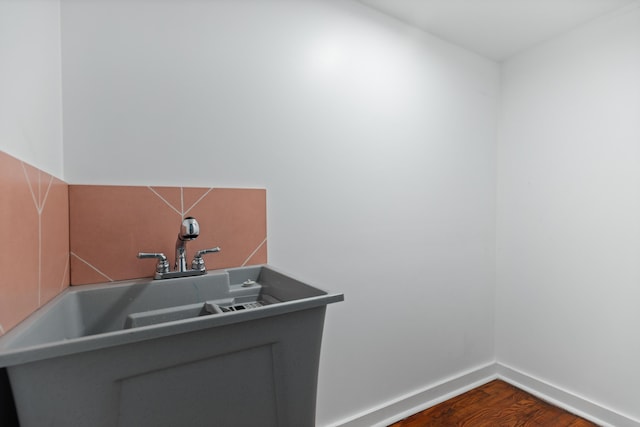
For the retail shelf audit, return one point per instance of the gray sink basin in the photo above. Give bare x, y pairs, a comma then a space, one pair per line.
113, 347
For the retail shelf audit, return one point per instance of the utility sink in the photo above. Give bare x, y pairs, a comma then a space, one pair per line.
238, 346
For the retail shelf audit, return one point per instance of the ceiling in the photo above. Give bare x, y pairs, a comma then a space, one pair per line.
496, 29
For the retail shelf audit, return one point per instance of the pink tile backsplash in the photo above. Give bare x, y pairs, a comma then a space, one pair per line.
34, 225
111, 224
55, 234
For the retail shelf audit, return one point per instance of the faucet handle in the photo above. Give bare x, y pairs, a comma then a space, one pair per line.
163, 265
198, 262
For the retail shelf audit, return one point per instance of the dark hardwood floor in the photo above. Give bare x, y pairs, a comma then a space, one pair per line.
496, 404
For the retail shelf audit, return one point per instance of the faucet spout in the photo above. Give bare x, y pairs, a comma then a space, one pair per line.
189, 230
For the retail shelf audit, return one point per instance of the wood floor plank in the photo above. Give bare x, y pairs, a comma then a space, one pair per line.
495, 404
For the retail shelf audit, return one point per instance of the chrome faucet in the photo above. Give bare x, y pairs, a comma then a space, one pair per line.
189, 230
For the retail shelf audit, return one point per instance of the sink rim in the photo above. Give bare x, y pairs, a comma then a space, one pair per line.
10, 356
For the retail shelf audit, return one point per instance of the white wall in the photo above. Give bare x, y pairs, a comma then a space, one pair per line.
30, 83
375, 143
569, 213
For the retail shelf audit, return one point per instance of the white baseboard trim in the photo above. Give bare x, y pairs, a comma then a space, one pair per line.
411, 403
564, 399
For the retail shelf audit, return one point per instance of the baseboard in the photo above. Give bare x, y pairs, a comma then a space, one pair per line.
411, 403
573, 403
417, 401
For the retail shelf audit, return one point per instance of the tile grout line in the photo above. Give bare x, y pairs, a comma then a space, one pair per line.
182, 202
66, 270
33, 195
164, 200
42, 201
39, 209
39, 259
91, 266
254, 252
199, 200
46, 194
39, 190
